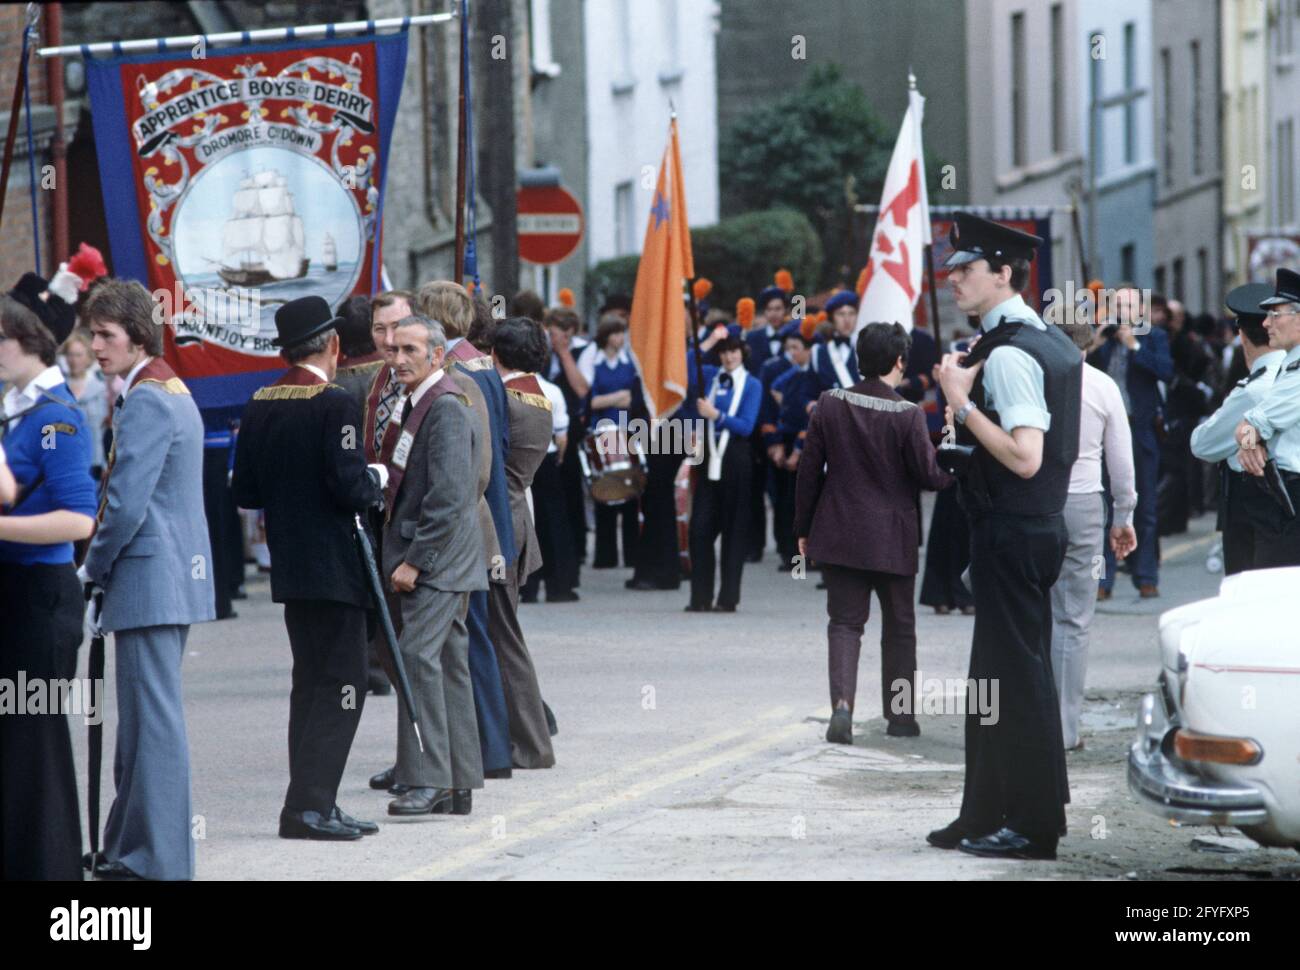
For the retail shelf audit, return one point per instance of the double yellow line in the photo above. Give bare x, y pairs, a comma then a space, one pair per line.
638, 780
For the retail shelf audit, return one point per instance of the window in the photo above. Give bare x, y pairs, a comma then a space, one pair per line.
623, 13
1203, 268
1128, 262
1167, 126
672, 36
1179, 294
1058, 79
1130, 82
624, 219
1196, 108
1286, 172
540, 32
1160, 280
1018, 153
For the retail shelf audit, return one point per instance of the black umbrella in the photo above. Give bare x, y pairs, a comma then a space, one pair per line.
386, 620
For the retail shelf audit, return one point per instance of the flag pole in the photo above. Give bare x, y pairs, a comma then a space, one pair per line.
934, 293
462, 139
690, 289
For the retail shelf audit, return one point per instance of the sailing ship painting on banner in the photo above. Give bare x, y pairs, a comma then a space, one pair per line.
240, 180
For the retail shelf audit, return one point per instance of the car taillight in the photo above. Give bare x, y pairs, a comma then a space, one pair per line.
1191, 746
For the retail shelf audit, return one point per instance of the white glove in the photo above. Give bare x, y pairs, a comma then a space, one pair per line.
381, 473
83, 577
93, 621
65, 284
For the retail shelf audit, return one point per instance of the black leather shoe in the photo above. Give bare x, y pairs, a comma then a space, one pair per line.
947, 837
92, 859
384, 780
398, 789
115, 872
903, 729
567, 597
552, 728
365, 828
499, 773
420, 801
314, 825
377, 683
840, 730
725, 608
462, 801
1006, 844
692, 608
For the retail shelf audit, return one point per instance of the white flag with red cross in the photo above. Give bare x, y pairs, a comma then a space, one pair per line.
893, 273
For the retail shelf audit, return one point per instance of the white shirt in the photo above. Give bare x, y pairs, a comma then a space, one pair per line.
1104, 430
130, 376
591, 354
315, 370
559, 411
419, 392
17, 401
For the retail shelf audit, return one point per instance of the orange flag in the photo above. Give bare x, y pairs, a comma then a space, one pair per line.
658, 322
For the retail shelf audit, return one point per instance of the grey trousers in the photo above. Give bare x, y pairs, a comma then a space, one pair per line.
435, 651
1074, 599
148, 827
530, 741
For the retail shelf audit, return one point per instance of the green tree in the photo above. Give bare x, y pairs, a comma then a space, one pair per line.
812, 149
739, 255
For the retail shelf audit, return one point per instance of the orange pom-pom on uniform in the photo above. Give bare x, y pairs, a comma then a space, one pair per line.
701, 289
88, 263
566, 297
745, 312
784, 281
809, 326
863, 279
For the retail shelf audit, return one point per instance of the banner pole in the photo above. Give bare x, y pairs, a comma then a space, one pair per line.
462, 139
934, 294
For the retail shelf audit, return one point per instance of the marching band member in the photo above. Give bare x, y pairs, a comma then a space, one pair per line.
47, 449
795, 390
567, 345
721, 503
834, 361
615, 389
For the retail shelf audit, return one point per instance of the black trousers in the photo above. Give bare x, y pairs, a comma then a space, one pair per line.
760, 483
554, 533
575, 491
1015, 763
1277, 538
40, 630
658, 558
947, 553
721, 508
328, 640
783, 513
848, 604
1235, 522
223, 528
608, 526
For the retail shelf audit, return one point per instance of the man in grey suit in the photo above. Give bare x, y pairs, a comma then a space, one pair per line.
151, 557
433, 554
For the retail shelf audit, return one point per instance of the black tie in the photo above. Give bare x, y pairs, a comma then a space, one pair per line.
842, 341
724, 381
406, 411
117, 405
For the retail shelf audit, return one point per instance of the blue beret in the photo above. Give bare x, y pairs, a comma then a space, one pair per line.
768, 295
842, 298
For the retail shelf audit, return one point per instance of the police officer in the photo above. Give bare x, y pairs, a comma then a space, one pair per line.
47, 447
1214, 439
1270, 432
1016, 401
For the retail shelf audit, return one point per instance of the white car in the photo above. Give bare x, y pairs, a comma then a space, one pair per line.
1219, 742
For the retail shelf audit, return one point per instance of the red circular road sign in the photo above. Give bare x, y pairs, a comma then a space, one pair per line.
550, 224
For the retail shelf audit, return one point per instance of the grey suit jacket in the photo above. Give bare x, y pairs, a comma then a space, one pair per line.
433, 525
151, 554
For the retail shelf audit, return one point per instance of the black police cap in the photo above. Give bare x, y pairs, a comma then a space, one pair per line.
1244, 301
974, 238
1287, 290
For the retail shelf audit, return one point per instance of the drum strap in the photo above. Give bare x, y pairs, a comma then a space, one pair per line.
719, 445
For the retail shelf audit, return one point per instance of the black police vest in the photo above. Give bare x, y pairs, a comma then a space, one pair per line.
994, 487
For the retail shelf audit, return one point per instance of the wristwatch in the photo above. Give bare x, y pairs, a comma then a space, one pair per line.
963, 412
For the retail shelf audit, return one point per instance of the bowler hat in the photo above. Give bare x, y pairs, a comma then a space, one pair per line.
299, 320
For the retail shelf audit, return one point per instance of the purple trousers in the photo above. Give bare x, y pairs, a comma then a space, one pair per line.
848, 604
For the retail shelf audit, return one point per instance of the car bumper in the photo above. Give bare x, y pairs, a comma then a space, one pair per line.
1165, 787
